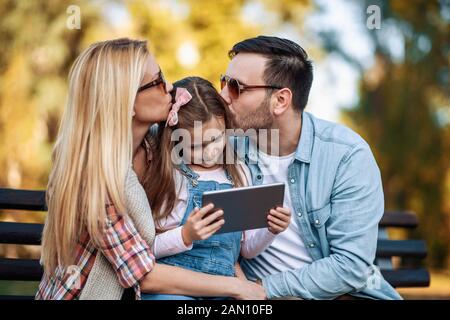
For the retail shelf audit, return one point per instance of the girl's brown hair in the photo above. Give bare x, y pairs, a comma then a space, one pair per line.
159, 182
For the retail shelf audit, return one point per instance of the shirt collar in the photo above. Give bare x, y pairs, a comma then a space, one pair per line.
305, 144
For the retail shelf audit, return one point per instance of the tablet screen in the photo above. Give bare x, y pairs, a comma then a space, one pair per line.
245, 208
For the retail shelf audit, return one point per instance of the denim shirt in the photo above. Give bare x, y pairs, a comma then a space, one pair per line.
337, 196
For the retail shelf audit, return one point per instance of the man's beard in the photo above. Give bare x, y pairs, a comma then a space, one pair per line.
261, 118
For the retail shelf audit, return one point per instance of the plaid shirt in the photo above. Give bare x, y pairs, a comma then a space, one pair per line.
124, 248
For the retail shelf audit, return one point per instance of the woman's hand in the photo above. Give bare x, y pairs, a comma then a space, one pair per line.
199, 227
278, 219
248, 290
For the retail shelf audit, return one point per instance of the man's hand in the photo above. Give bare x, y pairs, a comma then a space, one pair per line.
278, 219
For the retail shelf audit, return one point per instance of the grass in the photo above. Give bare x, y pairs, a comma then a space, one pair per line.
439, 287
18, 288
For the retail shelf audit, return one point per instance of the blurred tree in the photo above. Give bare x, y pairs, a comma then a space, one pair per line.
404, 114
191, 37
37, 50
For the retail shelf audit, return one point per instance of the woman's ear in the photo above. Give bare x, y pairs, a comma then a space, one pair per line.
283, 100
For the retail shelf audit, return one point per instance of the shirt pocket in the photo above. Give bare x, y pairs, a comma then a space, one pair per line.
319, 217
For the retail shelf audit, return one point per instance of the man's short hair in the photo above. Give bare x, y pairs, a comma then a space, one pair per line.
287, 65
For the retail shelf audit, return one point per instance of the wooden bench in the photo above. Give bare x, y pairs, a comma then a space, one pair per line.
30, 234
411, 253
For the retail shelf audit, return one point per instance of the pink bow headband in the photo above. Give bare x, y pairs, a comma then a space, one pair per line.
182, 97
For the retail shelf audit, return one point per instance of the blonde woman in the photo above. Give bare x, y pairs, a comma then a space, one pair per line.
99, 227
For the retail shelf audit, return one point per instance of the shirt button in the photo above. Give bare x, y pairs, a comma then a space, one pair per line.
299, 214
317, 221
312, 245
258, 177
292, 180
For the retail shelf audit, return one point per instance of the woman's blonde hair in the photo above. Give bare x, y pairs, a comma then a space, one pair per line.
93, 150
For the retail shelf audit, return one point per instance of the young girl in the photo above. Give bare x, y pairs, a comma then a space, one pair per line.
186, 234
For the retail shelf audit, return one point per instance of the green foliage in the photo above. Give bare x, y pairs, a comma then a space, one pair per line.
212, 27
398, 113
37, 50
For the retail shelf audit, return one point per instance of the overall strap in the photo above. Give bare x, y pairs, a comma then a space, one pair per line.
189, 174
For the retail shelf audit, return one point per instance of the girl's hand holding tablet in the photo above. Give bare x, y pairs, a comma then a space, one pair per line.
199, 226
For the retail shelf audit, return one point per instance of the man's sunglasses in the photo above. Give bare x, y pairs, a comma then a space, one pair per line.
156, 82
235, 88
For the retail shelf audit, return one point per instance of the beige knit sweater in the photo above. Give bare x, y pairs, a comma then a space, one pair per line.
102, 283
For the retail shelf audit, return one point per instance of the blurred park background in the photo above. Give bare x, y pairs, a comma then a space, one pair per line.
387, 79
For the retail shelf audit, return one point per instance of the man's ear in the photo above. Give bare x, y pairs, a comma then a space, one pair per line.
282, 100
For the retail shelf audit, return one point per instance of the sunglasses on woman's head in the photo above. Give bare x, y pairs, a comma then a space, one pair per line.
235, 88
156, 82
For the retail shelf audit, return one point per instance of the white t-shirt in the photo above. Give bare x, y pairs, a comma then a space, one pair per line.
171, 242
287, 251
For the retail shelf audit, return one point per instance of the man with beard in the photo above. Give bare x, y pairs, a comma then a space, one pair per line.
333, 184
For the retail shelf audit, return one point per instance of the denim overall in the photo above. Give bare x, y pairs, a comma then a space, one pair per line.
216, 255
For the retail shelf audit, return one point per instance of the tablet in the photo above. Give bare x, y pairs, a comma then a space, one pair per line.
245, 208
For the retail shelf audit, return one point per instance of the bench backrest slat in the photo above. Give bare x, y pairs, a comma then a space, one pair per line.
407, 278
20, 269
21, 233
401, 219
402, 248
22, 199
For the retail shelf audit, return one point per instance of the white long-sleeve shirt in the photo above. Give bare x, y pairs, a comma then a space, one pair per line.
171, 241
